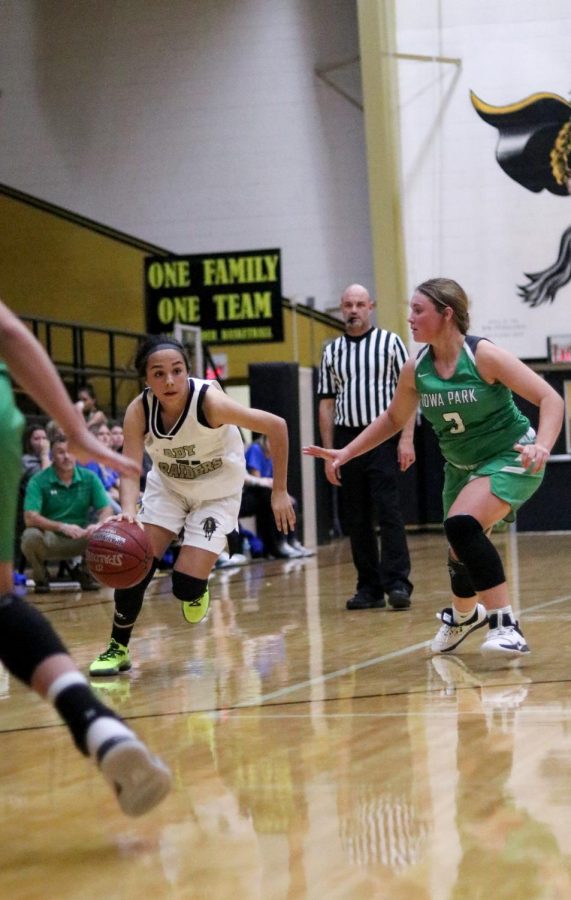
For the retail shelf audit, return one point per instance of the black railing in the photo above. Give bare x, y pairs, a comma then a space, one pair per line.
102, 357
85, 354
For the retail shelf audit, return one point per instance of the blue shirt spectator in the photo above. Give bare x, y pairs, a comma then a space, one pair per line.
109, 478
258, 459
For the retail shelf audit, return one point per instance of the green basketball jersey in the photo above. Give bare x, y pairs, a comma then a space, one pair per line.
473, 420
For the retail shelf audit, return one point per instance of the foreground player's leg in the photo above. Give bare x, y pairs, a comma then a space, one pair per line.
32, 652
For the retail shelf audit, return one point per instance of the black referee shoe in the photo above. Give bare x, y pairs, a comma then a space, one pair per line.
399, 598
365, 600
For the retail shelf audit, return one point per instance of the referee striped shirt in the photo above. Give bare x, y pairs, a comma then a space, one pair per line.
362, 374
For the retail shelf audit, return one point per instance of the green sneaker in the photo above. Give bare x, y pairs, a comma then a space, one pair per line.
112, 661
194, 611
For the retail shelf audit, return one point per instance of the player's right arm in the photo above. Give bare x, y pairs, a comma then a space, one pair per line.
133, 446
401, 409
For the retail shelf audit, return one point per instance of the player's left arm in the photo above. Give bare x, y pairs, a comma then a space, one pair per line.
496, 364
219, 409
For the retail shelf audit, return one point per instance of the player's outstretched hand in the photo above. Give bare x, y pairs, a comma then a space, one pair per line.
85, 446
333, 460
319, 452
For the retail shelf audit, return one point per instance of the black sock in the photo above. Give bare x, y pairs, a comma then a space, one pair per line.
128, 603
121, 633
79, 707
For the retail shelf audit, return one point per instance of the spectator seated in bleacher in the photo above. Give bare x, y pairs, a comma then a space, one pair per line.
86, 404
117, 436
57, 505
53, 431
36, 454
256, 500
35, 458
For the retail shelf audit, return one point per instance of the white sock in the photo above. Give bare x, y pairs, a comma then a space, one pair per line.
62, 682
461, 617
104, 729
505, 610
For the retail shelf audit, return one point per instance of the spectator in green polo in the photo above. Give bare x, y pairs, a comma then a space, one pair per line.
57, 504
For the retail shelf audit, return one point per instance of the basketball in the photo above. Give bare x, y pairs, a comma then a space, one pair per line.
119, 554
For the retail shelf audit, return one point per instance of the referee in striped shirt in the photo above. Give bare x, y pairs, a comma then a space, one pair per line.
357, 380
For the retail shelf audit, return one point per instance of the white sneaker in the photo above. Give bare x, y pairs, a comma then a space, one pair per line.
286, 551
238, 559
225, 560
139, 779
303, 551
451, 633
504, 638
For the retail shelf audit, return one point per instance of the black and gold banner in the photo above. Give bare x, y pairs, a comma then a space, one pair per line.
235, 298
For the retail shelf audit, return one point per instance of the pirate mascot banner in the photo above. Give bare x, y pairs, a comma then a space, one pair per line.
534, 148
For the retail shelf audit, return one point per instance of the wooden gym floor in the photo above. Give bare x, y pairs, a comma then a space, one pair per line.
317, 753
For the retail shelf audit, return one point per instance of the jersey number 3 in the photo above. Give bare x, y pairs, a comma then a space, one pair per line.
458, 426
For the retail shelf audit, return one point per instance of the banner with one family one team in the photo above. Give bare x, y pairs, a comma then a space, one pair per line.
234, 298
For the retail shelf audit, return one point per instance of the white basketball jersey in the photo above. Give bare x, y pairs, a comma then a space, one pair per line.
193, 459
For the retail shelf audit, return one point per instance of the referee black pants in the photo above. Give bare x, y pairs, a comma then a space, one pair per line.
369, 496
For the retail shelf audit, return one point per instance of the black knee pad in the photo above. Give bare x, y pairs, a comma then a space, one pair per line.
476, 551
186, 587
460, 580
26, 637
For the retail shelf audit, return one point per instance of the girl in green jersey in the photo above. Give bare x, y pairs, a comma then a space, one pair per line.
494, 459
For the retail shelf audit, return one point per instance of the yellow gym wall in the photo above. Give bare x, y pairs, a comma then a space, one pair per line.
60, 266
377, 42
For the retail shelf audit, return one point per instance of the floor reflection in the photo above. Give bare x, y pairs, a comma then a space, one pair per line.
316, 753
